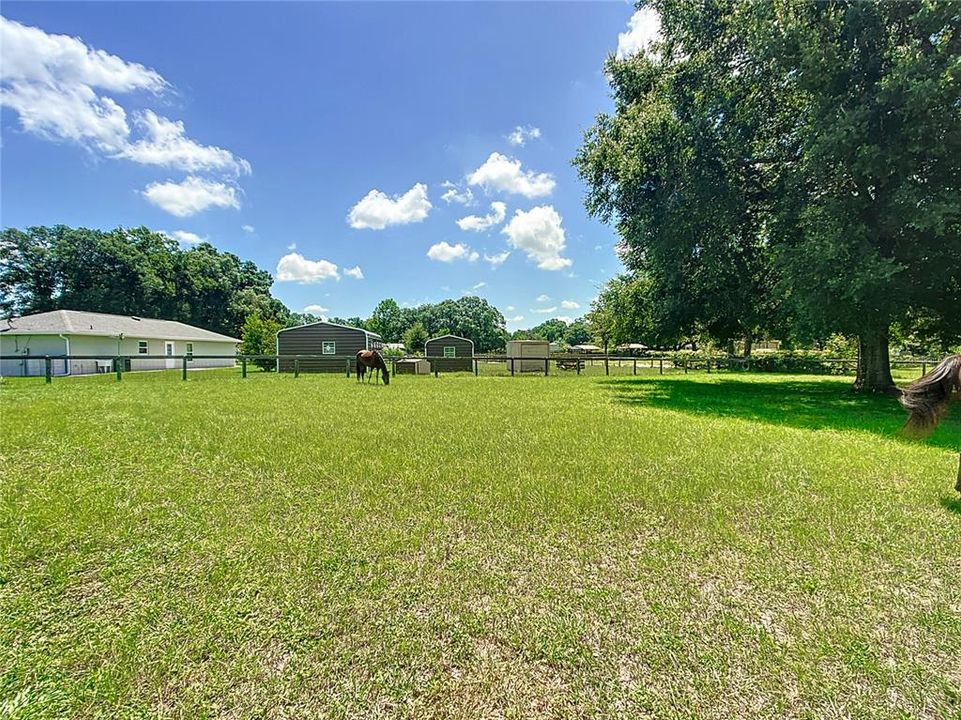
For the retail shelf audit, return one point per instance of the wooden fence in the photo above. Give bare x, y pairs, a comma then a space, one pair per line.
567, 362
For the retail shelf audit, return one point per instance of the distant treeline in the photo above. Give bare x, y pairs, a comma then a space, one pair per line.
138, 271
131, 271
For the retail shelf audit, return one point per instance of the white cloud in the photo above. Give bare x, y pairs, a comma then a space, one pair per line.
49, 81
498, 259
296, 268
354, 272
510, 308
545, 311
455, 195
187, 238
292, 246
247, 228
445, 252
569, 305
376, 210
54, 84
538, 233
543, 298
516, 319
478, 223
315, 309
504, 174
643, 28
521, 135
565, 318
479, 285
190, 196
165, 143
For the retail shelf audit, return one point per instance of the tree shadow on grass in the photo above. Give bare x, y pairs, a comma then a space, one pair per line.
951, 504
791, 403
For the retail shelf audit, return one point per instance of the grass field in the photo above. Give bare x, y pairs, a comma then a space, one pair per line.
711, 546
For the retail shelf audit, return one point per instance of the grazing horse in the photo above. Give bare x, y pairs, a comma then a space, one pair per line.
373, 360
928, 398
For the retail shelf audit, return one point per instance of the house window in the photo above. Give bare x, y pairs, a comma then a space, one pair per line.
190, 351
330, 348
142, 347
450, 351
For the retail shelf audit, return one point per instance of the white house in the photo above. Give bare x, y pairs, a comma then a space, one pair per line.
73, 332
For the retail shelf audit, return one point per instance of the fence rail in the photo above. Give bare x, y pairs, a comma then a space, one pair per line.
576, 362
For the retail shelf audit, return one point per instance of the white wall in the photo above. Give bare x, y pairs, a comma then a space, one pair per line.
31, 345
109, 348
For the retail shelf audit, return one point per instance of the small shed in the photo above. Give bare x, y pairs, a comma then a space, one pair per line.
340, 342
451, 353
584, 348
413, 366
539, 349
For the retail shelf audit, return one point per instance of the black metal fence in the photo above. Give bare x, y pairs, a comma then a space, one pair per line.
566, 363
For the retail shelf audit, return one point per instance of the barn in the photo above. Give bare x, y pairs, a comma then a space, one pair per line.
145, 343
340, 342
450, 353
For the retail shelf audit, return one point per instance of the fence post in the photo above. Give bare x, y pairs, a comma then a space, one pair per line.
661, 366
475, 367
578, 365
296, 367
512, 367
709, 366
435, 368
183, 375
47, 370
924, 369
545, 366
243, 367
685, 367
118, 366
607, 365
347, 365
635, 366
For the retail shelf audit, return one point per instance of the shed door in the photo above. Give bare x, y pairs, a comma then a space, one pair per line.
169, 361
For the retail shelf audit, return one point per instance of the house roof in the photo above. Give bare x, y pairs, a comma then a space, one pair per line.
584, 346
77, 322
332, 324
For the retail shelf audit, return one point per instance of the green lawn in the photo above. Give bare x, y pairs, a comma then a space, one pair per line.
712, 546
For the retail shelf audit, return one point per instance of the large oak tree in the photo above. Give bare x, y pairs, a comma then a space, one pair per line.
791, 161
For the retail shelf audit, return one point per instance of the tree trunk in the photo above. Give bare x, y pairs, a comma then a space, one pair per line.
748, 345
874, 364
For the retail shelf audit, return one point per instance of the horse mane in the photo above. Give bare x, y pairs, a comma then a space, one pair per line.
928, 397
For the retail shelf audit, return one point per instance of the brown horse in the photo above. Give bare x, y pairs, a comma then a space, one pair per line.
928, 399
374, 361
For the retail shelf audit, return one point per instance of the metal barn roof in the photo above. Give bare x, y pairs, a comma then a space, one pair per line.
78, 322
331, 324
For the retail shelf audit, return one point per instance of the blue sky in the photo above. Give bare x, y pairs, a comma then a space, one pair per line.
317, 139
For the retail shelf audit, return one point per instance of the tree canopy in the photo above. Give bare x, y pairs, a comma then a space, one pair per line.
131, 271
791, 168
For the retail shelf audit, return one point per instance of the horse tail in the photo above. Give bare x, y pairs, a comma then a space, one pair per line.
359, 368
928, 397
